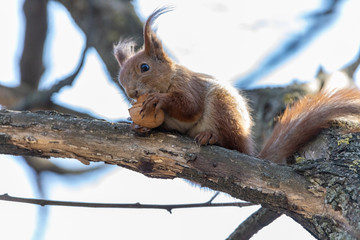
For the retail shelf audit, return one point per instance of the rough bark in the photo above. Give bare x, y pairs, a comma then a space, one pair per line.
322, 194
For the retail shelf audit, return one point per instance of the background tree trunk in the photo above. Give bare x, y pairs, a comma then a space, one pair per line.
104, 23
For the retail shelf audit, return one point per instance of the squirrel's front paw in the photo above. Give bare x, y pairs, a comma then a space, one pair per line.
206, 137
153, 103
139, 129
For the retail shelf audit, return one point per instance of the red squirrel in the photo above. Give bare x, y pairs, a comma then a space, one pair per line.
197, 105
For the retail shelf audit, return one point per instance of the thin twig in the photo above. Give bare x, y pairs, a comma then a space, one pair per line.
352, 67
43, 97
254, 223
213, 197
70, 79
318, 20
169, 208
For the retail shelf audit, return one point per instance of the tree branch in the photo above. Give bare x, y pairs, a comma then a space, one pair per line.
104, 22
168, 207
164, 155
258, 220
41, 98
31, 63
351, 68
49, 134
318, 20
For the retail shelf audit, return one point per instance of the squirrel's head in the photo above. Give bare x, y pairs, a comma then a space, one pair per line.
147, 70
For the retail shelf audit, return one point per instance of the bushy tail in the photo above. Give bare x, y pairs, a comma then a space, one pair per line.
304, 120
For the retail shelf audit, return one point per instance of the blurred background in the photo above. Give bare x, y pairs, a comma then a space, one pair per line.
58, 55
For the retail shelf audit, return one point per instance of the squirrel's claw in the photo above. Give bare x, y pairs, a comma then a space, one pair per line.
154, 100
206, 137
139, 129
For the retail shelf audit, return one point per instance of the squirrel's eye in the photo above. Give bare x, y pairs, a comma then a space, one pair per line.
144, 67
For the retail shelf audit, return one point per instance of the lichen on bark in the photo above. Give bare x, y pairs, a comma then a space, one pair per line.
336, 173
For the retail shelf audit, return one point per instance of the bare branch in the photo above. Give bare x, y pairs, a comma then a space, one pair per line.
167, 207
9, 96
258, 220
46, 134
350, 69
165, 155
318, 20
104, 22
41, 165
41, 98
31, 63
213, 197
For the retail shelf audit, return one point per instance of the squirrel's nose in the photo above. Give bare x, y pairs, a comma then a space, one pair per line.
133, 94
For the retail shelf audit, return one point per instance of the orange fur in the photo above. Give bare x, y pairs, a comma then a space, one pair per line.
197, 105
194, 104
303, 121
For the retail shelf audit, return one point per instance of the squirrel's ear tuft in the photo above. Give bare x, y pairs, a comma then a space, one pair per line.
124, 50
153, 46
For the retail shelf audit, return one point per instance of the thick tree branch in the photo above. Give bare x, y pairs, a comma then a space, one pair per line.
164, 155
159, 155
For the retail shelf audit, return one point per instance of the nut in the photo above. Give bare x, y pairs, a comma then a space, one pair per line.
149, 120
